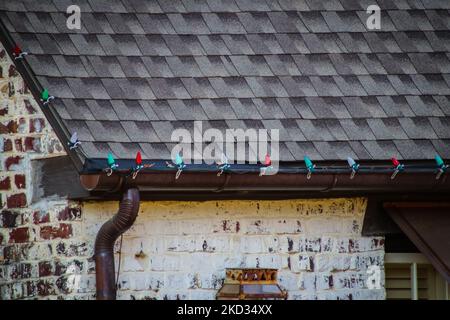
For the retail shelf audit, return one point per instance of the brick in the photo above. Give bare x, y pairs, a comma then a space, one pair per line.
308, 281
325, 226
70, 267
70, 214
76, 248
251, 244
12, 127
84, 283
328, 262
286, 226
226, 226
324, 281
19, 180
12, 72
10, 219
335, 295
20, 271
298, 263
369, 294
63, 231
29, 289
352, 245
22, 126
301, 295
41, 217
39, 251
65, 284
213, 244
45, 268
11, 162
138, 281
273, 261
54, 146
37, 125
46, 287
210, 281
362, 262
5, 183
271, 244
255, 227
173, 294
165, 263
177, 280
310, 244
18, 145
290, 281
32, 144
289, 244
326, 244
11, 291
29, 107
3, 129
19, 235
11, 89
202, 295
11, 253
18, 200
7, 145
344, 280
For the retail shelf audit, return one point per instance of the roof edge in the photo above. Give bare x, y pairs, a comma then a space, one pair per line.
36, 88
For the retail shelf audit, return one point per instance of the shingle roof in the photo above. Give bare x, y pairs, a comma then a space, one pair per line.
138, 69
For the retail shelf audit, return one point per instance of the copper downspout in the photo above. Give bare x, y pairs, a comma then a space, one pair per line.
104, 243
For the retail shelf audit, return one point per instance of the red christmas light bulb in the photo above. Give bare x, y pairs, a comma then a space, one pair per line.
17, 51
138, 158
267, 161
395, 162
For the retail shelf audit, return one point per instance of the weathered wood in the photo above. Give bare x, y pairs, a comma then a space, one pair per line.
56, 176
376, 221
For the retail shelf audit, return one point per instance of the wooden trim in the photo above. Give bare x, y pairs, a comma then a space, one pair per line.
405, 258
401, 214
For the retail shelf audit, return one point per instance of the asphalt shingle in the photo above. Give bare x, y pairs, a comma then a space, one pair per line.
137, 70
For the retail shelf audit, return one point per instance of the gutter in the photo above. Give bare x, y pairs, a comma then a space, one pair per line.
164, 181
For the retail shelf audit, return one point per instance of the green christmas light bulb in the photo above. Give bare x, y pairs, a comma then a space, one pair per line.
45, 95
111, 161
309, 163
178, 160
439, 161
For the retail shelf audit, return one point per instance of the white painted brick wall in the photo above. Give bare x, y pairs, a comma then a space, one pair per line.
185, 247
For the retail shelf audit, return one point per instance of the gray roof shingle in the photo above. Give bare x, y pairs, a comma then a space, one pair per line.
138, 69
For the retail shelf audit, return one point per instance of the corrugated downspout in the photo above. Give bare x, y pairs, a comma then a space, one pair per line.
104, 243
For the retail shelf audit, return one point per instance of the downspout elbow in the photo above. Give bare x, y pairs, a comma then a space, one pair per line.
104, 243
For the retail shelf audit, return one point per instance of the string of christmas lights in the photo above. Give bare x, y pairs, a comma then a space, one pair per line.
264, 168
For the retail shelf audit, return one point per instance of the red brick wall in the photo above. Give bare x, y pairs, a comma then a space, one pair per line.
40, 254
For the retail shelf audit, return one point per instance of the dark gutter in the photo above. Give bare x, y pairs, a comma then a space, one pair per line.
164, 181
36, 89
